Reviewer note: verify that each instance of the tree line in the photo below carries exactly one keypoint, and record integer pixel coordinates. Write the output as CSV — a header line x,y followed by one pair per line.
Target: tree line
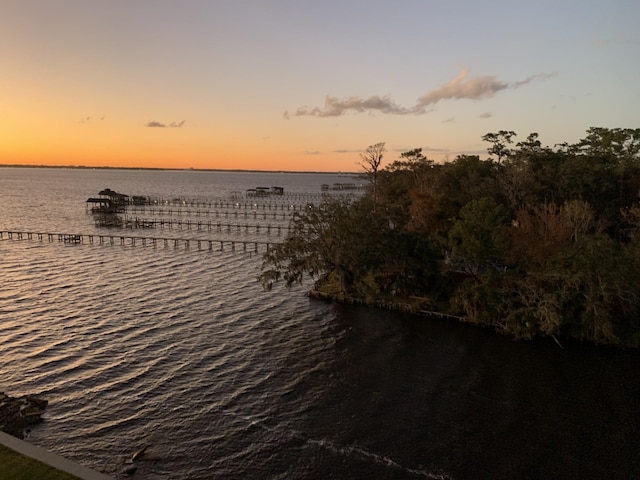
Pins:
x,y
532,241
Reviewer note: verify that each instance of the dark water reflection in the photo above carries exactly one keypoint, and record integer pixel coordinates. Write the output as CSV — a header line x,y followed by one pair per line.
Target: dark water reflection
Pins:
x,y
430,399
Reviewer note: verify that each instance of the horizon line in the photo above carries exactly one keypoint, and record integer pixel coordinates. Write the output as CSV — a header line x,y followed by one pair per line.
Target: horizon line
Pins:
x,y
188,169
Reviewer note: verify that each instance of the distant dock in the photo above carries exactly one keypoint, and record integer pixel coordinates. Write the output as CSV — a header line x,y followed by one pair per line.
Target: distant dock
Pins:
x,y
120,212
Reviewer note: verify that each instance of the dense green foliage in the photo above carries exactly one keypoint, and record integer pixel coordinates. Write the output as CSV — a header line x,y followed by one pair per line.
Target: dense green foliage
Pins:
x,y
531,241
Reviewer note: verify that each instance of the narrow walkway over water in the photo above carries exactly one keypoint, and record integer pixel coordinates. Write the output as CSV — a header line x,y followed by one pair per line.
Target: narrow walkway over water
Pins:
x,y
169,224
234,213
137,241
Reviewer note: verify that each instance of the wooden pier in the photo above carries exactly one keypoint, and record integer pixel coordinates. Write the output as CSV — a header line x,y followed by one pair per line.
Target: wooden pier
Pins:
x,y
169,224
136,241
233,213
286,201
254,204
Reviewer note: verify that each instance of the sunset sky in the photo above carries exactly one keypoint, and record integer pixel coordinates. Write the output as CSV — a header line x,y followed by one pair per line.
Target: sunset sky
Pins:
x,y
305,85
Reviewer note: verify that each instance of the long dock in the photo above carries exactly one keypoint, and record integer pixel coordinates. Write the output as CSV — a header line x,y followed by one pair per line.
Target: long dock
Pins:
x,y
133,241
170,224
257,204
286,201
234,213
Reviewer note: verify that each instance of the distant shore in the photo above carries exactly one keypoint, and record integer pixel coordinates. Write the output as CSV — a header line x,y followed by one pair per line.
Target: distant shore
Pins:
x,y
84,167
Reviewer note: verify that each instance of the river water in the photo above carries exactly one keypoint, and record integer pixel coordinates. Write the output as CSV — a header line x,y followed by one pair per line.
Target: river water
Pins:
x,y
182,352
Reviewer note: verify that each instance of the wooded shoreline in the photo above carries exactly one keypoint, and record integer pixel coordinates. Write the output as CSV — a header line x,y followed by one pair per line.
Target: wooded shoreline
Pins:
x,y
533,241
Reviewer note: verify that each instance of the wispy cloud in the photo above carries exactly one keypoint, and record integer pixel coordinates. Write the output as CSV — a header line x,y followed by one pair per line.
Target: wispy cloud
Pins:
x,y
532,78
312,152
334,107
486,115
435,150
612,42
344,150
461,87
91,119
156,124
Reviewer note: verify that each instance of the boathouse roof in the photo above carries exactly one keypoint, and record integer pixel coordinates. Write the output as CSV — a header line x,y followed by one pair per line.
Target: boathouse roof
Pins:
x,y
107,192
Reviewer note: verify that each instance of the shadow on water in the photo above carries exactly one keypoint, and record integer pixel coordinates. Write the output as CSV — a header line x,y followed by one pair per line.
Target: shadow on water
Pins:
x,y
416,398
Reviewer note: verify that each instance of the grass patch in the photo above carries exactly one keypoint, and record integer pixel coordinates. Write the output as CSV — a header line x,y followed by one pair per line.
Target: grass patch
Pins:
x,y
16,466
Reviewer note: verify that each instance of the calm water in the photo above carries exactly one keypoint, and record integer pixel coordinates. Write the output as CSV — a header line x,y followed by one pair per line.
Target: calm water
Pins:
x,y
183,352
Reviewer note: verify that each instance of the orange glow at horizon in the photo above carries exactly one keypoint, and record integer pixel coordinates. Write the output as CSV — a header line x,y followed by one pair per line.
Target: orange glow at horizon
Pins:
x,y
41,139
54,150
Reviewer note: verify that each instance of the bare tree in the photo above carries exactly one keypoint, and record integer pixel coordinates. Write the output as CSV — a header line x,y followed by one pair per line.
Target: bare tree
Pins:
x,y
371,160
578,216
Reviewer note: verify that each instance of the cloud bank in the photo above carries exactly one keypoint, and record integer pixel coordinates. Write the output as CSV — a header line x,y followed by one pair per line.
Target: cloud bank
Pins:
x,y
155,124
461,87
